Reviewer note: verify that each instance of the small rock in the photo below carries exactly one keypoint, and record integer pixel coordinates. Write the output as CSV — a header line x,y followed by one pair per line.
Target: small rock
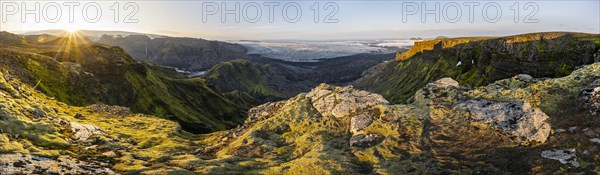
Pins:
x,y
524,77
572,129
446,82
595,140
79,116
83,131
362,140
110,154
567,156
586,152
37,113
560,130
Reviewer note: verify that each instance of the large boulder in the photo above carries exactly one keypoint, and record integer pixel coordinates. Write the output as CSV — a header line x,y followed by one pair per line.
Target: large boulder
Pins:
x,y
523,123
343,102
83,132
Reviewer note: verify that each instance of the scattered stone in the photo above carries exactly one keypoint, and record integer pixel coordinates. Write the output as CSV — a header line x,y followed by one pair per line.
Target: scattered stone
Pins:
x,y
572,129
524,77
263,111
526,125
79,116
566,156
585,129
586,152
364,141
114,110
83,131
446,82
595,140
110,154
36,113
560,130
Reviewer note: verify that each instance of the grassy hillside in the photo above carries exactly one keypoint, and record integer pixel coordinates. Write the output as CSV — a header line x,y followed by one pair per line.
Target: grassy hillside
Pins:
x,y
479,61
81,74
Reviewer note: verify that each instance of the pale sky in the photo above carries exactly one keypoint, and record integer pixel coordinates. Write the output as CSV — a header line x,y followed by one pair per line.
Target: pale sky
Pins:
x,y
354,19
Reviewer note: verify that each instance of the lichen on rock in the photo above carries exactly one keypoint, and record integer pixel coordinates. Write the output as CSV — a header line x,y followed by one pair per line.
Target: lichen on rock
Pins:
x,y
525,124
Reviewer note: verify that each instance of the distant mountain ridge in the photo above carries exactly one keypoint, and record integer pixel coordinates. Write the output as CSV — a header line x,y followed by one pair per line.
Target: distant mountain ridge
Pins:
x,y
91,34
185,53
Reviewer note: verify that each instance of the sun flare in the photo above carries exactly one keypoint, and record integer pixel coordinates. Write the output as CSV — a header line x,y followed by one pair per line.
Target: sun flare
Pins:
x,y
71,29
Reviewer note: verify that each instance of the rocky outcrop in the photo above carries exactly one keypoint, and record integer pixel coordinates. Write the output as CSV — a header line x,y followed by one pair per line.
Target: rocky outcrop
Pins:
x,y
591,98
523,123
83,132
343,101
31,164
446,82
346,102
566,156
263,111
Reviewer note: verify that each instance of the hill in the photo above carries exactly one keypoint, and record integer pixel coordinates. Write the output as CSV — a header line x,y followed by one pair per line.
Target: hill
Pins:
x,y
78,72
185,53
479,61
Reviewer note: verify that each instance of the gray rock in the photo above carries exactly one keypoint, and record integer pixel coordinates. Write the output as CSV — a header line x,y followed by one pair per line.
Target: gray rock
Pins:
x,y
79,116
446,82
524,77
360,122
83,131
595,140
343,101
524,124
591,98
566,156
37,113
363,140
31,164
572,129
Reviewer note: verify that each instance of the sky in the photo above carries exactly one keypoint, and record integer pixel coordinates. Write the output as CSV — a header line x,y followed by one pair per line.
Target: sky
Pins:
x,y
298,20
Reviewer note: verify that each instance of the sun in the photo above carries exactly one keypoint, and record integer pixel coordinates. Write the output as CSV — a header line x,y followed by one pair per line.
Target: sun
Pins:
x,y
71,29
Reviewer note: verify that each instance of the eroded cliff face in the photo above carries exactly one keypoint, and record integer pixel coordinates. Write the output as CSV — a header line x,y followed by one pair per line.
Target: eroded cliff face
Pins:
x,y
480,61
427,45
